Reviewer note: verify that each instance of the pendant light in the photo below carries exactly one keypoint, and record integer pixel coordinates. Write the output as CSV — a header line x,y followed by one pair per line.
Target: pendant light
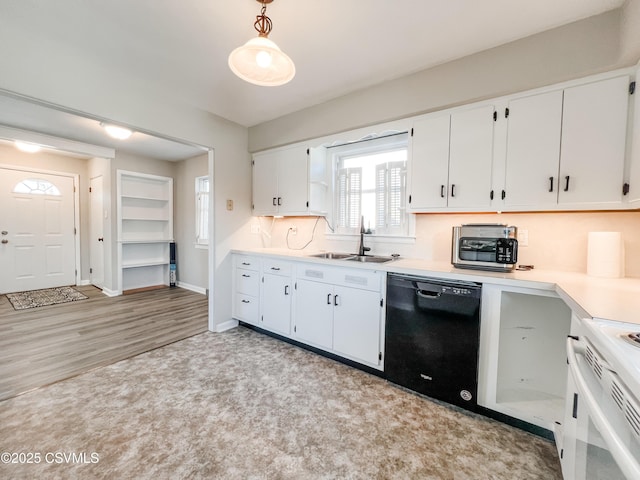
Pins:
x,y
260,61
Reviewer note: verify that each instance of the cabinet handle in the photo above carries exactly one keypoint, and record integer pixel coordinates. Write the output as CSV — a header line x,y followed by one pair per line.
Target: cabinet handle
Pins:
x,y
275,268
442,191
279,201
245,263
550,184
453,189
328,299
335,300
504,194
246,301
286,289
566,185
246,276
274,201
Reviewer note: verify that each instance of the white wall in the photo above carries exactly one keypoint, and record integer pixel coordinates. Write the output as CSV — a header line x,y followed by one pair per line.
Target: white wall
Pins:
x,y
557,241
596,44
191,260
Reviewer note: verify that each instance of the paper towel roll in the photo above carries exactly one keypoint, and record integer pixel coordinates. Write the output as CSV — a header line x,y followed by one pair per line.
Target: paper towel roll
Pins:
x,y
605,255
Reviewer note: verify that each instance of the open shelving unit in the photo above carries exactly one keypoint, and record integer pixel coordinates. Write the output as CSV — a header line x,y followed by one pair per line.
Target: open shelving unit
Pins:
x,y
145,230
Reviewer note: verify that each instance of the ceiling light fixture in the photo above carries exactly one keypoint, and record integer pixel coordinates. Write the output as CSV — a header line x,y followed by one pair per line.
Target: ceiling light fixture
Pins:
x,y
260,61
27,147
117,132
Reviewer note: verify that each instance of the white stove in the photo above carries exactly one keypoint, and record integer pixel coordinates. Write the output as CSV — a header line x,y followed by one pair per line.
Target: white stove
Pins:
x,y
622,353
600,435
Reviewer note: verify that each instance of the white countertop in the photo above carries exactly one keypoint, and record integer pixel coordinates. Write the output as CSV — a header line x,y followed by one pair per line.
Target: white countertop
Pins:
x,y
612,299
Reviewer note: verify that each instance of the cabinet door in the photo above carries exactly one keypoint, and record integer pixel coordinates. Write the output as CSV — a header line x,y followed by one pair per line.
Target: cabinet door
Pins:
x,y
314,313
471,158
533,150
429,167
276,303
265,184
293,181
594,127
356,324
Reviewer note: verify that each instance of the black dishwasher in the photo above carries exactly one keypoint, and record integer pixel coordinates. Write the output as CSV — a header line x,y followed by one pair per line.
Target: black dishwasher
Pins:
x,y
432,337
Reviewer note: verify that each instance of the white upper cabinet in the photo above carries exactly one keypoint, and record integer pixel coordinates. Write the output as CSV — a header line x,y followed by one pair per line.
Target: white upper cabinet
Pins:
x,y
592,153
451,159
533,151
566,148
429,164
471,158
281,182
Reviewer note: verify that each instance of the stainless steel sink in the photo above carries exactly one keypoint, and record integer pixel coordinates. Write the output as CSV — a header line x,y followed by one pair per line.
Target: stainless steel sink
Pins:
x,y
333,255
369,259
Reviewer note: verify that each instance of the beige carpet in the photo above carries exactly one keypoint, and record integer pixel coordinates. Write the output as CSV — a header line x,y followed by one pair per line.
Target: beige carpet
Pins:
x,y
240,405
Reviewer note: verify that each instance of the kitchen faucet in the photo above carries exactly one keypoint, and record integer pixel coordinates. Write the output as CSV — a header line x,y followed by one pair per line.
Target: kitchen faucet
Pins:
x,y
361,248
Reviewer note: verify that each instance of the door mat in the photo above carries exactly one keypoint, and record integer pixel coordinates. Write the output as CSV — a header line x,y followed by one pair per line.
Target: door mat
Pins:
x,y
47,296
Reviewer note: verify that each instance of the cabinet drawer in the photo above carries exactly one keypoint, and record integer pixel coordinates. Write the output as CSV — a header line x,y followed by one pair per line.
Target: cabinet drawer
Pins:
x,y
246,308
276,267
247,262
247,282
348,277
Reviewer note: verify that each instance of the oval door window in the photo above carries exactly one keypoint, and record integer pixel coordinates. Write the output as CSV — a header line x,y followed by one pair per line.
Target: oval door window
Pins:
x,y
36,186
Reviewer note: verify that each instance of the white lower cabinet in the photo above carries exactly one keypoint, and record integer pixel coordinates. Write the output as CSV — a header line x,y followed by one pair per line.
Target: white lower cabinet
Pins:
x,y
356,324
343,319
275,293
314,314
336,309
522,366
246,289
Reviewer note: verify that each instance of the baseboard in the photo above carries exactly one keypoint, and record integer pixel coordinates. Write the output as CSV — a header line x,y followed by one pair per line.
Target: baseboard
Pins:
x,y
193,288
224,326
82,283
111,293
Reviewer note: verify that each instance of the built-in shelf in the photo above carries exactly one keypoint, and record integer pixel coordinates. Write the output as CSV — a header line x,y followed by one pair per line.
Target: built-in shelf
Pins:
x,y
145,229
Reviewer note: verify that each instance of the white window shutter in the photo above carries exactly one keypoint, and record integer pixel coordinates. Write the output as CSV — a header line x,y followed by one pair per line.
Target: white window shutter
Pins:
x,y
349,186
382,200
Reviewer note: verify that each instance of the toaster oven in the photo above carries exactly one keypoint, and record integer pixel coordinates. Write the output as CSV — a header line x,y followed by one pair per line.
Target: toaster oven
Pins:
x,y
485,246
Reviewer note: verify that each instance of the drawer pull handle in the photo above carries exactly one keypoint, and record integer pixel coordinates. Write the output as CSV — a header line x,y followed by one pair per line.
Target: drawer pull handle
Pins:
x,y
246,276
275,268
245,263
246,301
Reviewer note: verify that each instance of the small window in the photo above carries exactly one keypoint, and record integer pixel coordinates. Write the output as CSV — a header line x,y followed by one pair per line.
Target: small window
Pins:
x,y
37,186
202,210
370,184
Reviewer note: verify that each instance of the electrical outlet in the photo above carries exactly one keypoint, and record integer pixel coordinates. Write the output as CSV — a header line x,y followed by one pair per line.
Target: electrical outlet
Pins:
x,y
293,229
255,228
229,204
523,237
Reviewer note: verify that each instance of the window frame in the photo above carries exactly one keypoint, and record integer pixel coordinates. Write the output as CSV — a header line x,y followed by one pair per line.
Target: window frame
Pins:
x,y
370,146
202,211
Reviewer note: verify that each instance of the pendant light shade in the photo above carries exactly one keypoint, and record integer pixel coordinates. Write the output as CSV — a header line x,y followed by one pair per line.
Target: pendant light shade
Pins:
x,y
260,61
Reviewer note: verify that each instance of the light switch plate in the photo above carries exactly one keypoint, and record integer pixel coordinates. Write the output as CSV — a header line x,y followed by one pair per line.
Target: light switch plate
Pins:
x,y
229,204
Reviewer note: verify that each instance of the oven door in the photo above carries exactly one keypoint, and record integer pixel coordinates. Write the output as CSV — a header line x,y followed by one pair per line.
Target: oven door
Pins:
x,y
598,441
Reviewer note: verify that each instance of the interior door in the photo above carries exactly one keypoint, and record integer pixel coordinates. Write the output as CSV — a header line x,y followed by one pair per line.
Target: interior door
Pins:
x,y
37,248
96,242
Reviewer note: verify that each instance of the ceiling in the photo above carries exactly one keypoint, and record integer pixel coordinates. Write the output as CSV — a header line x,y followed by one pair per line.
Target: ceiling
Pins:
x,y
178,49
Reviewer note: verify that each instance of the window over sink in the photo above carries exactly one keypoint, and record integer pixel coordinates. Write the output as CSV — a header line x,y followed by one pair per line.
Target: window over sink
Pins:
x,y
370,178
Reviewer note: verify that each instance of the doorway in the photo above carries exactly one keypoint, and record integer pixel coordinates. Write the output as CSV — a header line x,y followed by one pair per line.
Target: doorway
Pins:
x,y
96,232
37,230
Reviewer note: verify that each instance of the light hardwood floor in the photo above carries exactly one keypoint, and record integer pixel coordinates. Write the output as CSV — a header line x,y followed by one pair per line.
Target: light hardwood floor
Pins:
x,y
43,345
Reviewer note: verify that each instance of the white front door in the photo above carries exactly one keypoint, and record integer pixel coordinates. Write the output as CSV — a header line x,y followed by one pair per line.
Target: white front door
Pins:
x,y
96,242
37,248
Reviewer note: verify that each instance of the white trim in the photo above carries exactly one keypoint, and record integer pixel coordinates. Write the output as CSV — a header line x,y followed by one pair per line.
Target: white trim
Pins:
x,y
111,293
201,246
410,239
224,326
83,283
193,288
56,143
212,240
